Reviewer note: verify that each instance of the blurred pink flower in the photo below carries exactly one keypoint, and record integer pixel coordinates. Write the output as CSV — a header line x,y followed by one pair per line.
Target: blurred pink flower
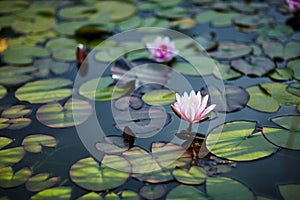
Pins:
x,y
162,49
294,5
193,107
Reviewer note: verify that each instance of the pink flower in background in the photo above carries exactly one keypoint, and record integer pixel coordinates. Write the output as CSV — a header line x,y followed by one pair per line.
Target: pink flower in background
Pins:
x,y
193,107
162,49
294,5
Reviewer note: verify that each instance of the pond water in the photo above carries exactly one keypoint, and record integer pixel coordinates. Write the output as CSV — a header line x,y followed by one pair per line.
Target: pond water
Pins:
x,y
52,107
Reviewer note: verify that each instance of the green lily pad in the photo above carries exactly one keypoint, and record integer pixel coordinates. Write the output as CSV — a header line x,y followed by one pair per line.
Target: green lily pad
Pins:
x,y
238,142
184,23
276,30
9,156
225,72
87,174
109,55
288,137
55,115
275,49
90,196
207,43
102,89
10,179
4,141
155,22
34,143
77,12
294,88
69,28
289,191
169,3
45,9
172,12
16,111
40,182
152,191
194,176
185,192
47,65
217,19
231,50
23,54
112,145
161,176
112,196
63,49
261,100
116,162
44,91
15,123
159,97
12,6
33,25
257,66
58,193
3,91
294,65
282,74
130,23
251,21
129,195
10,75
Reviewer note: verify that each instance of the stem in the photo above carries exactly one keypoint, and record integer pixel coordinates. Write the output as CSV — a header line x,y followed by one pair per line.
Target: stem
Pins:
x,y
189,129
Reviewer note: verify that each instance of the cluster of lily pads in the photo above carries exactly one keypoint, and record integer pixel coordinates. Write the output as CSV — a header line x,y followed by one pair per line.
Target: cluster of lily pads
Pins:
x,y
41,52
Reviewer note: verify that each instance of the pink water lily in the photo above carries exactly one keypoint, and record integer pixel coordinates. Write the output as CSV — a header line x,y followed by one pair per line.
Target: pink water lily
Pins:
x,y
162,49
294,5
192,108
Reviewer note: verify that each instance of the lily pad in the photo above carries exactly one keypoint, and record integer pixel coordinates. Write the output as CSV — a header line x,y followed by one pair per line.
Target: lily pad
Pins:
x,y
43,91
258,66
289,191
21,55
152,191
10,179
47,65
208,43
288,137
40,182
58,193
251,21
129,195
184,23
194,176
110,55
172,12
12,6
129,101
159,97
87,174
276,30
116,162
231,50
185,192
63,49
34,143
15,123
130,23
112,145
77,12
9,156
282,74
10,75
225,72
90,196
55,115
261,100
102,89
294,88
16,111
217,19
294,65
34,25
3,91
275,49
239,142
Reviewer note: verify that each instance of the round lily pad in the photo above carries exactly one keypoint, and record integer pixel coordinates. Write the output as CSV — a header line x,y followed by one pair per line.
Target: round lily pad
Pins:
x,y
294,88
112,145
12,6
257,66
9,156
40,182
77,12
194,176
130,23
225,72
10,179
288,137
185,192
10,75
159,97
116,162
129,101
152,191
34,143
43,91
63,49
239,142
276,30
34,25
231,50
90,196
47,65
161,176
171,12
217,19
59,193
287,51
184,23
109,55
289,191
294,65
15,123
251,21
281,74
55,115
87,174
16,111
102,89
3,91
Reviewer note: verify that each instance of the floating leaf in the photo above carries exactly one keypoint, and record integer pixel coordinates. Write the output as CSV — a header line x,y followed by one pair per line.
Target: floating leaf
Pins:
x,y
34,143
63,49
159,97
77,12
69,28
4,141
129,195
10,75
112,196
281,74
152,191
34,25
231,50
294,88
130,23
294,65
184,23
257,66
116,162
161,176
15,123
275,49
12,6
87,174
112,145
55,115
289,137
225,72
9,179
251,21
276,30
10,156
40,182
172,12
46,66
43,91
207,43
194,176
110,55
102,89
23,54
185,192
129,101
90,196
58,193
3,91
289,191
238,142
217,19
16,111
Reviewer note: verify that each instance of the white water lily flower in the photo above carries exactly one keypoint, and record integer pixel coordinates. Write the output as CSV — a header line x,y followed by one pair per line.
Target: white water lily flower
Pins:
x,y
192,108
162,49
